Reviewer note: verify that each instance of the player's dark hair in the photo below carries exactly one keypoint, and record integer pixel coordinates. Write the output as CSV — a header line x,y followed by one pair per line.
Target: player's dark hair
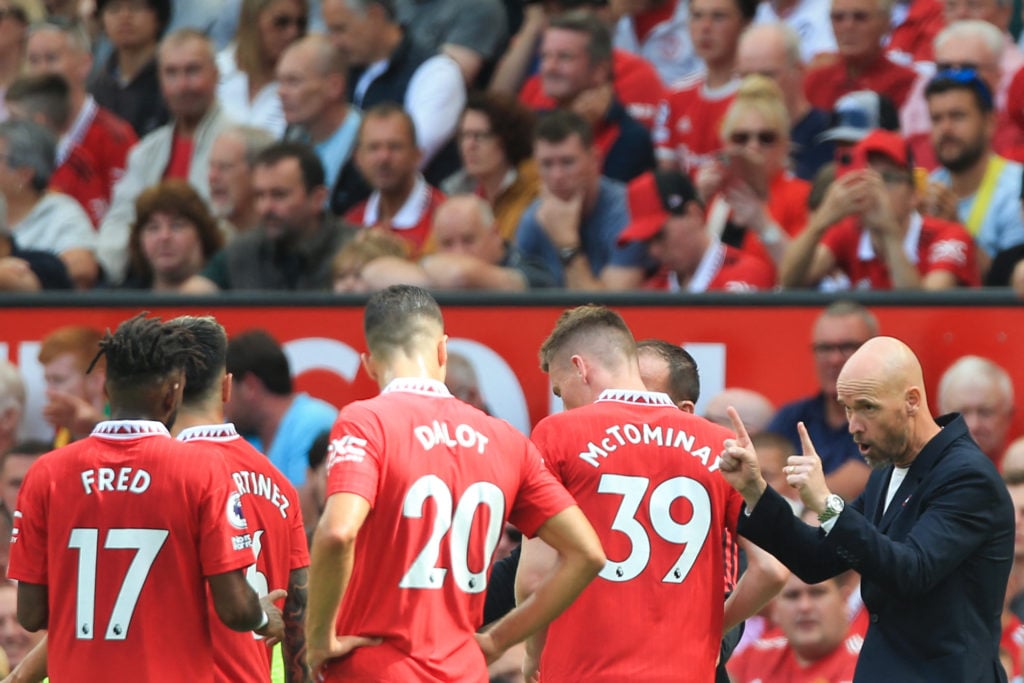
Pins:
x,y
597,329
211,341
683,376
144,350
259,353
397,319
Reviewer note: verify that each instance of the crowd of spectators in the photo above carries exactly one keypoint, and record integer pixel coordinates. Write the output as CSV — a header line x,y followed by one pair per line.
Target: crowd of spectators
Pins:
x,y
692,146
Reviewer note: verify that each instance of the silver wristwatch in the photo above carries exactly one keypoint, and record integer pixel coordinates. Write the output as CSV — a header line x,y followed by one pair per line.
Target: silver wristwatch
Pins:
x,y
833,506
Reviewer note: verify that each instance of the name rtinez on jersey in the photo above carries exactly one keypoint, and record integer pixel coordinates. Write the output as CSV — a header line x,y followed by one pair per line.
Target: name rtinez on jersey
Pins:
x,y
256,484
621,435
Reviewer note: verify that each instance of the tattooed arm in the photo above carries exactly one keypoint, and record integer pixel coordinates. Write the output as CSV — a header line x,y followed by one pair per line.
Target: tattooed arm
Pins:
x,y
293,648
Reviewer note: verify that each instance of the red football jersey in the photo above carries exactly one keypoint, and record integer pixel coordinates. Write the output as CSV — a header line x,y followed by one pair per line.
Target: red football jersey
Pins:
x,y
123,527
771,659
723,269
412,222
441,478
931,244
693,126
646,475
826,84
278,540
92,159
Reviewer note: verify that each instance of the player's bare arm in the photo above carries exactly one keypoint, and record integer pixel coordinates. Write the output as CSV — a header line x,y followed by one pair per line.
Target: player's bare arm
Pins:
x,y
764,578
33,606
294,643
537,560
241,609
580,558
330,570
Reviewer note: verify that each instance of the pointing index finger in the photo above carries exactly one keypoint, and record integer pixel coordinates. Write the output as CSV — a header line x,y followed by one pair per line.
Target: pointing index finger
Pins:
x,y
737,426
805,440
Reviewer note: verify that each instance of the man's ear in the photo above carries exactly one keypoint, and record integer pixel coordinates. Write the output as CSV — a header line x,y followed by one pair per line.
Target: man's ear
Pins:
x,y
173,388
913,399
225,387
687,406
581,365
369,365
442,351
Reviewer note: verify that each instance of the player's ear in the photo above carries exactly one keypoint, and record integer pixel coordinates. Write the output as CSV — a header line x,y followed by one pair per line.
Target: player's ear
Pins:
x,y
369,365
687,406
225,387
580,364
442,351
172,389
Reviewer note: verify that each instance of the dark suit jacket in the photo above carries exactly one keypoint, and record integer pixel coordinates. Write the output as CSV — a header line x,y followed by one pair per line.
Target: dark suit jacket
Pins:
x,y
934,567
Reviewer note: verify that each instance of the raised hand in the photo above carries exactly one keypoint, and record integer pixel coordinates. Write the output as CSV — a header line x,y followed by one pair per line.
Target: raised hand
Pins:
x,y
739,463
804,473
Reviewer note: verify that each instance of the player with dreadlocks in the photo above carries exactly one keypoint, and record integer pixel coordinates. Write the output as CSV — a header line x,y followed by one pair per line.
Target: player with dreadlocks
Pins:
x,y
129,525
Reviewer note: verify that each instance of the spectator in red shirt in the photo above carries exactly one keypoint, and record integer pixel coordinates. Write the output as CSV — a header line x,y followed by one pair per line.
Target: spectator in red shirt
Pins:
x,y
868,229
697,105
859,26
668,214
94,142
386,154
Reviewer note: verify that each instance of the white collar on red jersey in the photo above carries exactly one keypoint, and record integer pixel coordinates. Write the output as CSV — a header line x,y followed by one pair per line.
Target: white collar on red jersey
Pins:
x,y
129,429
221,432
866,252
645,398
417,385
412,211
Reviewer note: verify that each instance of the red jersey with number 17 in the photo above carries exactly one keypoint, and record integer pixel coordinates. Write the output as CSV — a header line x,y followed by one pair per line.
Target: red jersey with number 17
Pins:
x,y
123,527
646,475
441,478
278,541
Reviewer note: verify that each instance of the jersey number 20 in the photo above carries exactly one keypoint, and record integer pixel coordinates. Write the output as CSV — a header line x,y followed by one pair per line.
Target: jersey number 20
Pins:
x,y
424,572
146,543
691,535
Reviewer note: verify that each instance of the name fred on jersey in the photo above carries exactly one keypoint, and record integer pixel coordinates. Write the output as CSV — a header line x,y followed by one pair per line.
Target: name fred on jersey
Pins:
x,y
122,479
649,435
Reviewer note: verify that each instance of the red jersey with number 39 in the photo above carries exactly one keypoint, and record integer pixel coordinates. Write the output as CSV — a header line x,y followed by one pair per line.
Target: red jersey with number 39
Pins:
x,y
646,475
123,527
441,478
278,541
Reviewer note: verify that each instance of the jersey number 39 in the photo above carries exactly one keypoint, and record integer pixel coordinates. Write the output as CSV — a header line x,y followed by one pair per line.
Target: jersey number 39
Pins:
x,y
692,535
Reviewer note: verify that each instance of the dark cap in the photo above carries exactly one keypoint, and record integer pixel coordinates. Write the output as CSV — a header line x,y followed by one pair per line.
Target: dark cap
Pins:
x,y
858,113
653,198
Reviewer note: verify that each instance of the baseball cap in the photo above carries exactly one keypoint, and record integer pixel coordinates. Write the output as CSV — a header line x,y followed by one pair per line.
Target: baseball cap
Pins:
x,y
858,113
653,197
888,144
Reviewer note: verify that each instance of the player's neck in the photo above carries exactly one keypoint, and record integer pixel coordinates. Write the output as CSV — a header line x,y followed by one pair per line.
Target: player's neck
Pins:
x,y
199,416
416,367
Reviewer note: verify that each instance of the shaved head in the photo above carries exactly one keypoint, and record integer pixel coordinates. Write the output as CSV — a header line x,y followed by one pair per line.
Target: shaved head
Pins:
x,y
881,388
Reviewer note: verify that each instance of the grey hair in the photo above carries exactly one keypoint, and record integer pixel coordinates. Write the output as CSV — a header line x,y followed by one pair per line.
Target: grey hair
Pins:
x,y
845,307
29,145
12,388
790,38
974,367
255,140
974,28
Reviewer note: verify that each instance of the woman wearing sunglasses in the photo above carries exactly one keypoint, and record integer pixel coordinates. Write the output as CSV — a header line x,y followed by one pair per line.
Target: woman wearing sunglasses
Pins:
x,y
754,203
248,84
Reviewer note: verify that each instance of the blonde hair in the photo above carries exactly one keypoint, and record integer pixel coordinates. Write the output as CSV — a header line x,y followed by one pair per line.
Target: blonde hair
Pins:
x,y
760,94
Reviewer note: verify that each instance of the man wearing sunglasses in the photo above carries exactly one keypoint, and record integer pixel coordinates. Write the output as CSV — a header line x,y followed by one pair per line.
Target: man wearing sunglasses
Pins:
x,y
974,186
868,231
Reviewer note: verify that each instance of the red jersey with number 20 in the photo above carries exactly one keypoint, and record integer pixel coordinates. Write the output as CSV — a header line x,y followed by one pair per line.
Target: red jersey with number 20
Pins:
x,y
441,478
123,527
646,475
278,541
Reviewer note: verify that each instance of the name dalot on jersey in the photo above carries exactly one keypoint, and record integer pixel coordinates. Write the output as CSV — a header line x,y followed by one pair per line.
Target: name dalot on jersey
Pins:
x,y
443,434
